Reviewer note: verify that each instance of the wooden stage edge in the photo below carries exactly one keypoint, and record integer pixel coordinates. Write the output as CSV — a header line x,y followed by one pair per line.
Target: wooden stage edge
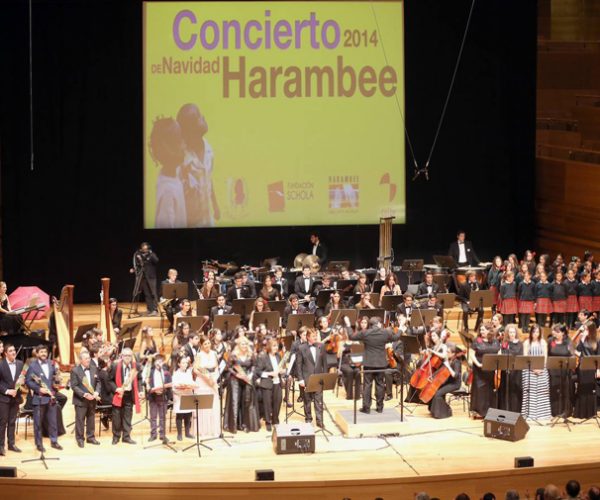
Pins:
x,y
444,486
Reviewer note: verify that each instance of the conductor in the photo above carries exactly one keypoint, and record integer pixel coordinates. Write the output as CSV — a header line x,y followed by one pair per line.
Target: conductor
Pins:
x,y
374,339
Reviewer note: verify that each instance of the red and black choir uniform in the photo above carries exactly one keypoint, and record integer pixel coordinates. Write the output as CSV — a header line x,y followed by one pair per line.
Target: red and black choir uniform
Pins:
x,y
559,302
526,295
596,299
494,280
585,296
543,302
508,305
572,303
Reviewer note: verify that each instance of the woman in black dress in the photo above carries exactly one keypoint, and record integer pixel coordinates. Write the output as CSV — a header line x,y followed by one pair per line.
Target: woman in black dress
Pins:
x,y
511,396
560,384
241,410
9,324
438,406
482,387
585,399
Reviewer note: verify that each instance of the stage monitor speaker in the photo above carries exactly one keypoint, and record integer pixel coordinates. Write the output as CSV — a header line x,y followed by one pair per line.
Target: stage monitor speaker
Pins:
x,y
523,462
264,475
507,425
293,438
8,472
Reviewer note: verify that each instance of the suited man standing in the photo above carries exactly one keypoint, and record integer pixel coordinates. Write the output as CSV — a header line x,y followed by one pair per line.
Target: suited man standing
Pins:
x,y
303,286
374,358
318,248
39,379
312,359
86,388
462,251
10,397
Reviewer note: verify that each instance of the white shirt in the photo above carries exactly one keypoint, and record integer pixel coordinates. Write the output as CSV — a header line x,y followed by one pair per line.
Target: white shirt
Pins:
x,y
170,203
307,284
88,374
275,365
159,379
314,251
238,292
313,351
462,253
46,370
13,368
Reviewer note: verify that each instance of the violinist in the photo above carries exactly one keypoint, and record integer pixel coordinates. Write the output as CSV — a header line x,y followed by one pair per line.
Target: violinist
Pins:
x,y
269,371
375,361
438,406
268,291
482,388
512,346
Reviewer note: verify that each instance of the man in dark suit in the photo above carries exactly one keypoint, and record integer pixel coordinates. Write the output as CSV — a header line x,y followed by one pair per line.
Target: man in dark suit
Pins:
x,y
220,309
268,373
318,249
11,380
464,296
312,359
293,307
39,379
281,281
427,287
238,290
123,383
191,348
159,384
303,286
462,251
86,388
374,358
144,266
407,307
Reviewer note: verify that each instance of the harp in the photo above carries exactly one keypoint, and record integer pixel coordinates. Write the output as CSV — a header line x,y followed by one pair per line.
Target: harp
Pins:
x,y
63,321
106,324
385,243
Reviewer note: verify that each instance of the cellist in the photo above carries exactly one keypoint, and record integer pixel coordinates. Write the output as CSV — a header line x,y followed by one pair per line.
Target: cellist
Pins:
x,y
438,406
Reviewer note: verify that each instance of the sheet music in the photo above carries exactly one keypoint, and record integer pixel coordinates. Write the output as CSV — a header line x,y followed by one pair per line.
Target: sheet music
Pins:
x,y
291,364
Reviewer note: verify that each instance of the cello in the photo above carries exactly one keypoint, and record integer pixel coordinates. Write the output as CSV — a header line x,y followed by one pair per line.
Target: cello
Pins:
x,y
423,374
438,380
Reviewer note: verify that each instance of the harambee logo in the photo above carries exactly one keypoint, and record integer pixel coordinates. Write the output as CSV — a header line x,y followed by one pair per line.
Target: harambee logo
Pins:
x,y
386,179
343,191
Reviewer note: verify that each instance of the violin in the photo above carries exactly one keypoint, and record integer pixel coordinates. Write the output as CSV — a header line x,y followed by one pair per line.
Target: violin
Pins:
x,y
391,358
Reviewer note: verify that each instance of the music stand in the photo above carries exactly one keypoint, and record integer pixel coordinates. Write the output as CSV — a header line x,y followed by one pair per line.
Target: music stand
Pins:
x,y
498,362
82,330
296,321
321,382
243,307
390,302
226,322
335,266
410,266
130,330
174,291
411,344
377,284
423,318
546,332
203,306
196,322
590,363
371,313
277,305
269,318
337,316
129,343
287,341
42,458
197,402
446,300
323,297
445,261
483,298
563,364
442,280
341,285
529,363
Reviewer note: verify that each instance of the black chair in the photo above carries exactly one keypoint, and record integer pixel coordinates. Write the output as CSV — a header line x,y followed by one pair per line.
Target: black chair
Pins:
x,y
28,414
103,411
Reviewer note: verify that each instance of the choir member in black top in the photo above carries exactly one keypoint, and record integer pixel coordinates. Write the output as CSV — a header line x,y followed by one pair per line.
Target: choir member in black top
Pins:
x,y
560,384
596,298
438,406
508,297
559,299
543,299
585,292
585,400
482,387
511,384
526,296
494,278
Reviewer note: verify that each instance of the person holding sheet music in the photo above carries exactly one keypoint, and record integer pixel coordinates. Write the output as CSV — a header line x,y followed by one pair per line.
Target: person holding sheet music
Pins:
x,y
183,385
512,346
269,371
535,383
206,372
585,400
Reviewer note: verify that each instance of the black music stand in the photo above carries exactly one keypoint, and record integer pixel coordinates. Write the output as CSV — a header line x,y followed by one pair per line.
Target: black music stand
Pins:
x,y
296,321
445,261
529,363
289,374
82,330
446,300
226,322
442,280
410,266
341,285
174,291
323,297
390,302
130,330
377,284
371,313
277,305
498,362
482,298
411,344
42,458
271,319
336,266
196,322
243,307
197,402
563,364
422,318
128,343
337,316
203,306
321,382
356,357
590,363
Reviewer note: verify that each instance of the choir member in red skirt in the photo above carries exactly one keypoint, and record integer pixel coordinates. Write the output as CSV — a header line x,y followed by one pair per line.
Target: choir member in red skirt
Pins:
x,y
543,299
508,296
526,296
596,296
559,299
493,279
572,303
585,293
